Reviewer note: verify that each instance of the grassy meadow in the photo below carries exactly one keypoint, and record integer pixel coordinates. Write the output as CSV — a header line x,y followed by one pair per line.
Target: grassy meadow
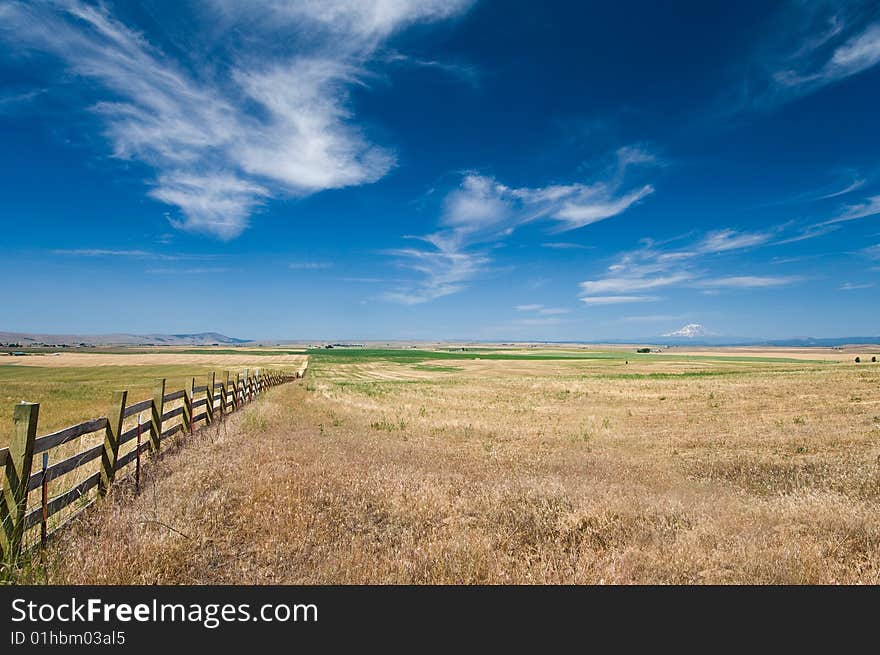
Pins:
x,y
551,465
73,387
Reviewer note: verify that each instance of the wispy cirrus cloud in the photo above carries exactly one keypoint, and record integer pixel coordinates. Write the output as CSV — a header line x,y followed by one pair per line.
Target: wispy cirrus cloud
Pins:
x,y
444,271
465,73
264,117
817,66
748,281
856,184
652,268
617,300
727,239
541,309
565,245
482,210
637,279
135,254
869,207
850,286
812,45
14,98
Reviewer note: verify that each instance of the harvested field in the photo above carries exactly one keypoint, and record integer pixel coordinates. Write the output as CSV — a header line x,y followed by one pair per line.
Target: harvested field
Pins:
x,y
387,470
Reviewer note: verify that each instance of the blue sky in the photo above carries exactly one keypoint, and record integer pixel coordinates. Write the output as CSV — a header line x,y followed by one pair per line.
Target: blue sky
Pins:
x,y
440,170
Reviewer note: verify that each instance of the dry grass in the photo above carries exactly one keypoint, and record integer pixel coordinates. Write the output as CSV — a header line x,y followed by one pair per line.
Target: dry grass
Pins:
x,y
204,359
568,473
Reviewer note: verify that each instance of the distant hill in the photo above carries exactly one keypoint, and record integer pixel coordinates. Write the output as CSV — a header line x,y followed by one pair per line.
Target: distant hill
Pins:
x,y
24,339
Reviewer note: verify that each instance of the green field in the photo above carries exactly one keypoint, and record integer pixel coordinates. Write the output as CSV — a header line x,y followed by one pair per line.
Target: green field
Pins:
x,y
69,395
360,355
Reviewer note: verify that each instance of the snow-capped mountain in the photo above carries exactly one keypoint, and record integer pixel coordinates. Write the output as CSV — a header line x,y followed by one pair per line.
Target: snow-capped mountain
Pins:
x,y
689,331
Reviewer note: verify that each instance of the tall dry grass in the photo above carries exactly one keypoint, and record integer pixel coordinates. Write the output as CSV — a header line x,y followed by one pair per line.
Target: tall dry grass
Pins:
x,y
486,475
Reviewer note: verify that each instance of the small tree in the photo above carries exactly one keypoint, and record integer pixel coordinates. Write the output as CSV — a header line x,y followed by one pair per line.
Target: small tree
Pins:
x,y
858,359
874,359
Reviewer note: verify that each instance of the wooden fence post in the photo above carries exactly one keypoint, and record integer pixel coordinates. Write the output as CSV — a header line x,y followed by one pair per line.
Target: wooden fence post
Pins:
x,y
188,406
224,390
157,410
17,473
209,415
111,441
230,389
246,386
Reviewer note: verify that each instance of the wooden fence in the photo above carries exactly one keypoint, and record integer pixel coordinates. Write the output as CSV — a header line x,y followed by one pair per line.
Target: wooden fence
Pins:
x,y
48,495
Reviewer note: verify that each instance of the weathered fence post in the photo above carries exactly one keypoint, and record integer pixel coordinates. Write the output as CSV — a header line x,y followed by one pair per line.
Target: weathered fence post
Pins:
x,y
188,406
157,410
111,441
233,386
209,415
224,393
246,387
137,457
44,502
17,473
225,399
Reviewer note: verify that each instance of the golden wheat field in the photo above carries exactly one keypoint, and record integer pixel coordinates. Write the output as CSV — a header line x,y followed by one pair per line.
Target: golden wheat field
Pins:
x,y
402,468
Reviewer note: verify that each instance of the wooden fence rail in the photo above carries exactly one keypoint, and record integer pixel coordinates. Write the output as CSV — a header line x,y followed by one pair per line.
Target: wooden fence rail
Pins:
x,y
18,479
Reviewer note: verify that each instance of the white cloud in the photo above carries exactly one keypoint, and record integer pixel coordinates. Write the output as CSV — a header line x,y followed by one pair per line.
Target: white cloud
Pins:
x,y
103,252
444,271
832,42
9,99
540,309
859,53
625,284
724,240
617,300
870,207
651,267
857,183
481,203
216,203
593,204
305,143
269,118
135,254
849,286
749,281
809,232
481,210
564,245
363,24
